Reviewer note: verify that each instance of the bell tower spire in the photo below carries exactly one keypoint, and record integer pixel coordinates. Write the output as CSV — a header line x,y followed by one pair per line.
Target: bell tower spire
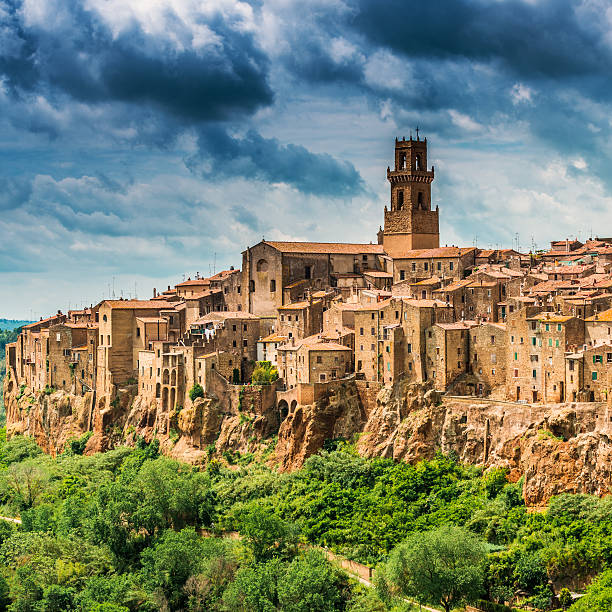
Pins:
x,y
410,223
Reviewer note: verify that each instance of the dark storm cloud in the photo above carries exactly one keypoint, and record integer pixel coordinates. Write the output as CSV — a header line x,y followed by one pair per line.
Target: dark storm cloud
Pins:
x,y
80,57
542,39
265,159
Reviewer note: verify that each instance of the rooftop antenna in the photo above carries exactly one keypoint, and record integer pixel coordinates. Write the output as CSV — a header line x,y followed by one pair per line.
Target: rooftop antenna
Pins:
x,y
215,263
113,287
417,132
135,291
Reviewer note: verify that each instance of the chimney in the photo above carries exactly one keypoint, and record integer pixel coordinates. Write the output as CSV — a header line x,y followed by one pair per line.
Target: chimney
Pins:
x,y
154,292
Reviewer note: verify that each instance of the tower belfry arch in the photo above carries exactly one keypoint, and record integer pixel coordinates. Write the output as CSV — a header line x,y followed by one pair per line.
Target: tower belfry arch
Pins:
x,y
410,222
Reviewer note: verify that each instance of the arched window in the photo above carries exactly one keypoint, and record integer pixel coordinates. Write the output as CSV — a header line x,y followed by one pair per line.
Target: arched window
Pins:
x,y
402,161
400,199
166,377
104,318
262,265
418,162
173,377
420,199
157,390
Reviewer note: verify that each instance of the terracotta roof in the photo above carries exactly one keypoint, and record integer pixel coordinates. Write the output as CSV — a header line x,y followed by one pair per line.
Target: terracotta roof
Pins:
x,y
274,338
552,317
432,280
606,316
325,346
79,348
151,319
426,303
199,282
203,294
298,305
223,274
221,316
462,325
139,304
439,253
458,284
326,247
377,274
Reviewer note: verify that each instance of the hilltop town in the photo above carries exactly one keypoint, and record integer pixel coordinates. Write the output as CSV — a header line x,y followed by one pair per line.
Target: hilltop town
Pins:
x,y
443,321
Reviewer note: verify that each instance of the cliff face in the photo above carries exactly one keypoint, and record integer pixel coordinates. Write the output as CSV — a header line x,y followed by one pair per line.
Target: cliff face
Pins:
x,y
557,448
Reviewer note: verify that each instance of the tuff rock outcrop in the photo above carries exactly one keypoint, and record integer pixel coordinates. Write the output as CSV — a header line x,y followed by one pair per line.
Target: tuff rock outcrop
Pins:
x,y
556,448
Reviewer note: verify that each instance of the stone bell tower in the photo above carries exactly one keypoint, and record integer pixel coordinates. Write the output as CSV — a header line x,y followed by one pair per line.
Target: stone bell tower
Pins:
x,y
411,223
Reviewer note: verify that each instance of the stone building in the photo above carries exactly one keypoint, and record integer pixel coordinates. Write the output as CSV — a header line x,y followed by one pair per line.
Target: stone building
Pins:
x,y
120,340
300,319
588,373
447,352
269,267
488,355
447,263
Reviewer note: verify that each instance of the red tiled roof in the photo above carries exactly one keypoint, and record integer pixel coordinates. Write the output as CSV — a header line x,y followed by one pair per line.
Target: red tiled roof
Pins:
x,y
326,247
139,304
439,253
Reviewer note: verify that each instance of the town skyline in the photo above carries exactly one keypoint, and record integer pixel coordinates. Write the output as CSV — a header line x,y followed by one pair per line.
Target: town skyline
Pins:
x,y
180,134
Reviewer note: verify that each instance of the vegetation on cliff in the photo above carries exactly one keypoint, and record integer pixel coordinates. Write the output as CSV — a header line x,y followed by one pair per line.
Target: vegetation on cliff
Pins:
x,y
118,531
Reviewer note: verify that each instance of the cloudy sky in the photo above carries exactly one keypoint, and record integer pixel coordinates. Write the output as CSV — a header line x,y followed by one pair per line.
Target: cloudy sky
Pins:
x,y
144,140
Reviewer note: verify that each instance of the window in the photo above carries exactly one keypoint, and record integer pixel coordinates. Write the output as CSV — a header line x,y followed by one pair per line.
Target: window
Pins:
x,y
322,377
451,266
397,314
534,373
492,339
413,267
410,366
307,271
426,266
373,315
238,289
593,375
364,257
547,327
359,365
104,318
319,359
493,371
402,274
571,366
388,349
597,358
557,343
515,356
409,348
439,266
609,357
108,338
233,343
372,347
245,343
550,342
533,341
244,327
459,365
373,331
272,286
515,373
233,328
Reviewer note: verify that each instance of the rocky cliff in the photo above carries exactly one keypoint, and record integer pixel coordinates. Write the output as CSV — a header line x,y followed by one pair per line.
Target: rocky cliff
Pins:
x,y
556,448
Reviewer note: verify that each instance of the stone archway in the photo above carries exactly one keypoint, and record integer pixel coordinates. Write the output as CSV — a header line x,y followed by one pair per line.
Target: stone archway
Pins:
x,y
165,399
283,409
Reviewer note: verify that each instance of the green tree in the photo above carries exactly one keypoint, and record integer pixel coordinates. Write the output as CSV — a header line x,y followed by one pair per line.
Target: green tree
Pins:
x,y
254,588
443,566
167,565
264,373
312,584
195,392
265,534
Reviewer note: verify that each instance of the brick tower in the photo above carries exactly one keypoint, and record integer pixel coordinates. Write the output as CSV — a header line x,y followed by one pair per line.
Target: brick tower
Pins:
x,y
411,223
